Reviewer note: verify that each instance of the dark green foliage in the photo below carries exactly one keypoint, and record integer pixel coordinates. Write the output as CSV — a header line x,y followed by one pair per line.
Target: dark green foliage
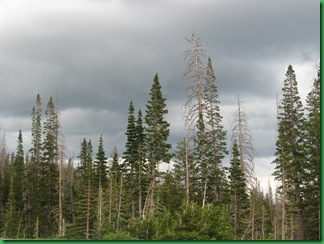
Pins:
x,y
100,164
197,223
32,205
18,175
130,158
48,175
290,151
238,195
85,207
157,128
156,136
12,217
194,200
215,139
312,174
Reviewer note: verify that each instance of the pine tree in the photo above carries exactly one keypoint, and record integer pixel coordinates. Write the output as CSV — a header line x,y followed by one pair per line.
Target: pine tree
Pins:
x,y
18,176
12,220
85,208
100,165
157,133
238,194
312,174
49,175
290,160
140,161
130,158
32,205
215,139
36,150
116,195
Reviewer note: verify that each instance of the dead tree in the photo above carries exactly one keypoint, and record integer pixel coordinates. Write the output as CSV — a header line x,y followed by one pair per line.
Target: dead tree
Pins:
x,y
243,136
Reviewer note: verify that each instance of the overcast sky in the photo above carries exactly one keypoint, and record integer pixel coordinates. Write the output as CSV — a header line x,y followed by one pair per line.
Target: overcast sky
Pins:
x,y
100,54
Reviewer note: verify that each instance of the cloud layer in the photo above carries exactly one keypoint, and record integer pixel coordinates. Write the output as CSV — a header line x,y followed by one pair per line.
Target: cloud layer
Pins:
x,y
99,54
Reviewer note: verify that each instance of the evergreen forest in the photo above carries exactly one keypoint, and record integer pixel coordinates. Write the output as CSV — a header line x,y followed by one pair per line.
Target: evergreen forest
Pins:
x,y
105,194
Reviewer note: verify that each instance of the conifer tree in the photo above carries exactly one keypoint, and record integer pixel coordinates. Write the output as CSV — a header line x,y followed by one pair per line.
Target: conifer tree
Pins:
x,y
156,135
85,209
185,171
4,177
290,160
312,175
215,139
140,161
49,175
12,218
18,175
238,194
130,158
32,205
100,165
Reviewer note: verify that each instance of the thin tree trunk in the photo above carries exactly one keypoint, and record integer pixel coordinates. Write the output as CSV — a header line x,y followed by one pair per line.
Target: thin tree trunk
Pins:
x,y
205,191
120,202
61,223
140,192
99,221
187,173
88,210
110,200
252,213
262,224
283,218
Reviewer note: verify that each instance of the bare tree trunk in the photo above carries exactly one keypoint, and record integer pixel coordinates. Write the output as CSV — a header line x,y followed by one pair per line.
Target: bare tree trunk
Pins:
x,y
119,203
252,214
205,191
88,210
262,223
140,192
61,223
187,173
235,217
110,199
283,218
36,228
100,220
59,158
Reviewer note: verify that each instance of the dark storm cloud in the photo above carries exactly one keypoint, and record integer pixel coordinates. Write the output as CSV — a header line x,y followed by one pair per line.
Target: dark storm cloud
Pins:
x,y
101,54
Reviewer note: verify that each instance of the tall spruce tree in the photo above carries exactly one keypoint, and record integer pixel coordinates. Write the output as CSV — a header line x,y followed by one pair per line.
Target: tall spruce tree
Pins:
x,y
140,161
214,174
130,158
238,194
290,160
312,174
85,207
18,174
32,205
101,182
100,165
49,174
157,133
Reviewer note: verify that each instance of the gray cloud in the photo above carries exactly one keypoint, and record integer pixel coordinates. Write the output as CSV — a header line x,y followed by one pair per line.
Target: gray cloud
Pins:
x,y
101,54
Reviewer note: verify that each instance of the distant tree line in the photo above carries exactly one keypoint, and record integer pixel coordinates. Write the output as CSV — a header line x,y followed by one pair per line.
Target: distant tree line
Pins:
x,y
126,197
